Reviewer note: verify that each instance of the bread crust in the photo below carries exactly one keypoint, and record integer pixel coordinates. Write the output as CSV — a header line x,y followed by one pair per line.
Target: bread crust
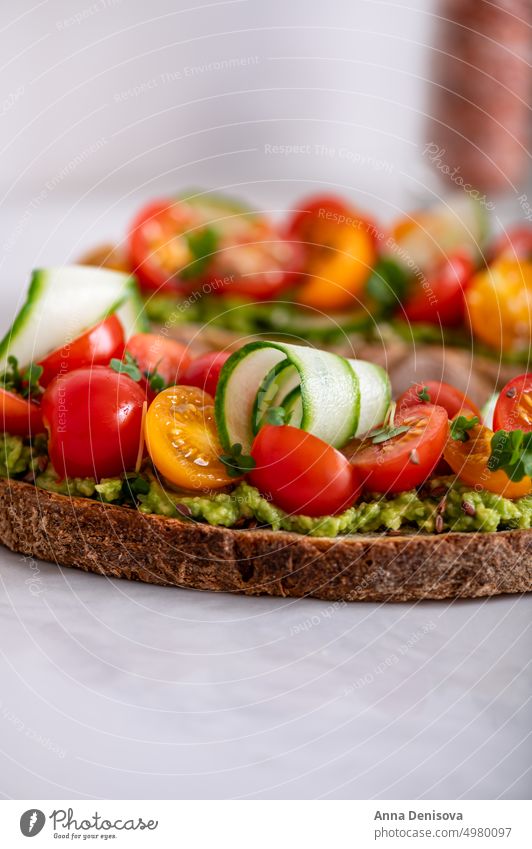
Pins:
x,y
120,542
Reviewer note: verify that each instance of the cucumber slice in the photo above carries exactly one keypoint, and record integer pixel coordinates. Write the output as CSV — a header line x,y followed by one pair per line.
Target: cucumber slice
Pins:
x,y
269,391
488,409
293,407
375,395
62,303
461,223
330,397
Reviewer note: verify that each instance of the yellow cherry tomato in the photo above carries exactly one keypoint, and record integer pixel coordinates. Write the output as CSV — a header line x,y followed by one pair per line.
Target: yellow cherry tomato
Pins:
x,y
182,440
499,305
469,460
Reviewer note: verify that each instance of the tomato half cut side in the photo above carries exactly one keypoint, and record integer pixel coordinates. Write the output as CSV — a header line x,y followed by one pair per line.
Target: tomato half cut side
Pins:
x,y
469,461
157,244
18,416
301,473
182,439
513,410
405,460
439,393
97,347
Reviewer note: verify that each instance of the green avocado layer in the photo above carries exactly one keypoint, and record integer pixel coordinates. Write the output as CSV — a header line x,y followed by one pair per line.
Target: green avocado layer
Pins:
x,y
460,508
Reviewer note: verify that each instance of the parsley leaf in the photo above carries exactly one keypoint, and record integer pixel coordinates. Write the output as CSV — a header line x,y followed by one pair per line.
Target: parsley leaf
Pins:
x,y
423,394
202,244
511,451
25,383
127,366
460,427
275,416
236,463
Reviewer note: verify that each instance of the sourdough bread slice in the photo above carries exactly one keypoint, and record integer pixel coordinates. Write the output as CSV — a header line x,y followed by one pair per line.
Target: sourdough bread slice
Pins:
x,y
120,542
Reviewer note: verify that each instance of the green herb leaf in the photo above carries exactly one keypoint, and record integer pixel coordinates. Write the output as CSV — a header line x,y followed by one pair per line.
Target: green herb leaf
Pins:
x,y
275,416
461,426
202,244
136,484
387,285
156,381
423,394
236,463
127,366
24,383
511,451
385,433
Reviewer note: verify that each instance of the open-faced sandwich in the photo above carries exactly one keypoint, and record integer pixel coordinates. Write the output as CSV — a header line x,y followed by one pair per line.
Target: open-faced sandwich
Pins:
x,y
278,468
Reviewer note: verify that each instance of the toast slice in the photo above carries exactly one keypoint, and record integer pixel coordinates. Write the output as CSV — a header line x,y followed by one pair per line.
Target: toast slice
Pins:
x,y
120,542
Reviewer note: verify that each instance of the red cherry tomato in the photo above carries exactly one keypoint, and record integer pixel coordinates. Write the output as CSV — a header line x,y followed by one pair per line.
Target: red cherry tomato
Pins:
x,y
405,460
513,410
96,347
439,393
301,473
204,371
157,244
440,298
94,417
18,416
156,353
243,251
515,244
258,265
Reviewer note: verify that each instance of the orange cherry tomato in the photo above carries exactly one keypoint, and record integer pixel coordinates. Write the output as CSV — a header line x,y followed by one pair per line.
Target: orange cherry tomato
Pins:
x,y
340,251
182,439
469,461
499,305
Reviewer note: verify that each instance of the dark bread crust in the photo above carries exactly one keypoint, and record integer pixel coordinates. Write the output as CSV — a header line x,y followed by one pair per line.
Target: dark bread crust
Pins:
x,y
120,542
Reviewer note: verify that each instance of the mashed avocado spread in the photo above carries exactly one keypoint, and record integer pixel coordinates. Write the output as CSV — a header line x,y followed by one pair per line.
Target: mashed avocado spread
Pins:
x,y
460,508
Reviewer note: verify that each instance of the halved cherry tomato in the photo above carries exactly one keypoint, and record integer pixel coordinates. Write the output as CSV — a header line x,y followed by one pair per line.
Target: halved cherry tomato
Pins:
x,y
439,393
94,417
513,410
156,353
440,298
301,473
499,302
18,416
96,347
340,251
182,439
406,460
469,460
515,244
258,267
158,246
217,248
204,371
